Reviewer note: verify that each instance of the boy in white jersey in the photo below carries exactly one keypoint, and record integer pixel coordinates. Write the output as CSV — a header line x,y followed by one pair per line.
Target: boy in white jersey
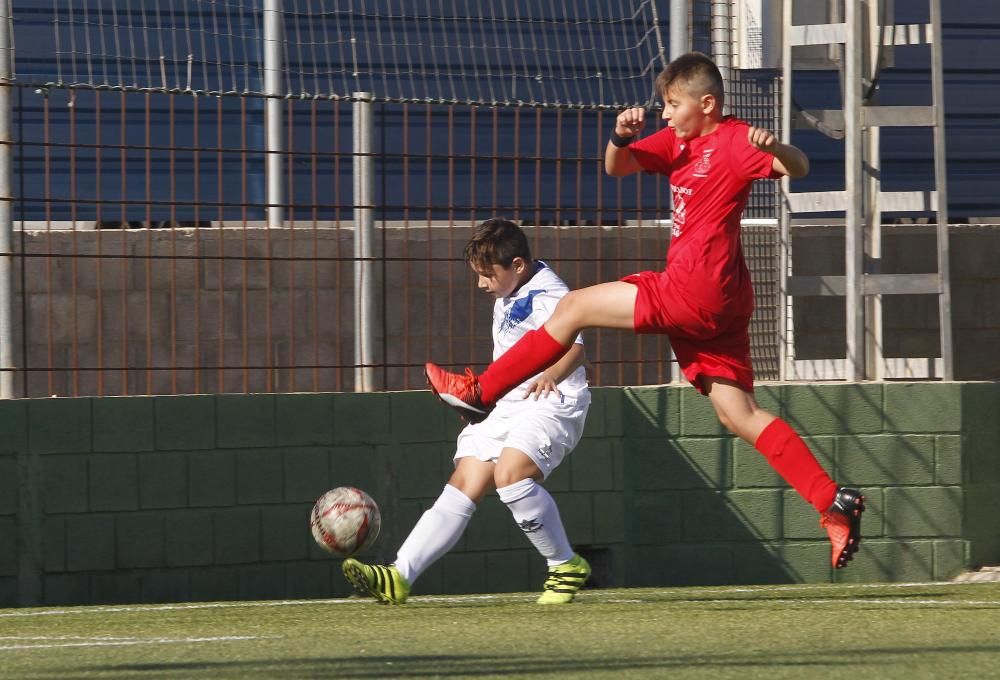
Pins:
x,y
516,446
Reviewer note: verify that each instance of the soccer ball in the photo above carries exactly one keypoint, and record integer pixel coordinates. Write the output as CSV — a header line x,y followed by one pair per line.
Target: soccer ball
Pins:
x,y
345,521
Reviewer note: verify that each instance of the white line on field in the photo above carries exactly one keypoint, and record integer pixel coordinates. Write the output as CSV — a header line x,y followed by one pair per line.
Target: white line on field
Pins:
x,y
173,607
124,642
498,597
829,600
814,586
943,603
50,638
263,603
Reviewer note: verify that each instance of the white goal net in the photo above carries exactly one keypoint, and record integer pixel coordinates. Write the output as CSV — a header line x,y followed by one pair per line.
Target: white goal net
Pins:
x,y
537,52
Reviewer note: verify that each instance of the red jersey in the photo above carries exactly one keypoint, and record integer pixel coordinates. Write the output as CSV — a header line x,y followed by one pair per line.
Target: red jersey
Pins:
x,y
710,178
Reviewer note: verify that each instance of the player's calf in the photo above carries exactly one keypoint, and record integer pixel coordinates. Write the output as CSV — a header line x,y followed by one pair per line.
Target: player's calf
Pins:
x,y
842,522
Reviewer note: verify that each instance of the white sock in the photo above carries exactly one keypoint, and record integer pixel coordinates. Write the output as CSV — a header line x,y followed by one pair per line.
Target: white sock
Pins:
x,y
536,513
435,533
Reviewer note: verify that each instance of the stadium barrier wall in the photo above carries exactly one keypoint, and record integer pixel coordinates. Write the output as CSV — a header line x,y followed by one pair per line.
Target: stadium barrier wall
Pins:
x,y
184,498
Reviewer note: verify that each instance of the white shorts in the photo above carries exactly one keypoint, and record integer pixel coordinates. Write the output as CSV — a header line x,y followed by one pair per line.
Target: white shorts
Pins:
x,y
544,431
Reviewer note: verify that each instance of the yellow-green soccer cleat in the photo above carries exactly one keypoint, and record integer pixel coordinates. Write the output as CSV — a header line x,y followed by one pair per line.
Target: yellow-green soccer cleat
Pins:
x,y
564,581
385,584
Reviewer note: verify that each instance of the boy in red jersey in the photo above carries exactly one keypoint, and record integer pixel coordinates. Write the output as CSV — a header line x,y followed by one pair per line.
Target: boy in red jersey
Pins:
x,y
703,299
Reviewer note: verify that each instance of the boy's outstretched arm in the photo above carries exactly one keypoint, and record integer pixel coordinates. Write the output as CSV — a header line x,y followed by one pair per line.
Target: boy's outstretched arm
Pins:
x,y
557,372
618,158
788,160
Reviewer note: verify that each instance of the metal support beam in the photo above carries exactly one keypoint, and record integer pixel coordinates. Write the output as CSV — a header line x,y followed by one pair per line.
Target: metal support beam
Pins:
x,y
872,169
364,245
941,183
722,40
6,209
679,28
273,119
817,34
871,284
817,201
854,172
786,345
871,116
679,44
909,34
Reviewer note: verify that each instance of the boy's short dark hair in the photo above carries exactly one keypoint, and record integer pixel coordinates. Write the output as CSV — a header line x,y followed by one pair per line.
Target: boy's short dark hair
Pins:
x,y
693,69
497,241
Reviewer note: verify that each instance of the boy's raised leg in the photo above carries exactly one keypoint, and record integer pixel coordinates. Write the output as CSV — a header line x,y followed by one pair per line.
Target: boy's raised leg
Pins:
x,y
606,305
473,397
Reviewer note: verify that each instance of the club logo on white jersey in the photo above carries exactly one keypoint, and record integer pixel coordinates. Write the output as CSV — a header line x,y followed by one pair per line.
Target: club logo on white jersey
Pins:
x,y
519,311
704,164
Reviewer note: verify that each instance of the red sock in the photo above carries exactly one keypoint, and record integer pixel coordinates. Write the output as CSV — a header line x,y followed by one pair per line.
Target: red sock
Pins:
x,y
792,459
533,353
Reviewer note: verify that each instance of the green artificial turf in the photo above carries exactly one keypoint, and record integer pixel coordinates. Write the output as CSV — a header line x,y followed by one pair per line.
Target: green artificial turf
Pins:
x,y
872,631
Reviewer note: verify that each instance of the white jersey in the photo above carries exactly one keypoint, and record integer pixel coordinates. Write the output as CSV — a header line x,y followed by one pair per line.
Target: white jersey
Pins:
x,y
526,310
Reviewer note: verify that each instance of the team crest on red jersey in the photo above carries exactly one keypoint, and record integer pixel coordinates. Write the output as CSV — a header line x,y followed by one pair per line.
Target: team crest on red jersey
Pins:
x,y
704,163
680,195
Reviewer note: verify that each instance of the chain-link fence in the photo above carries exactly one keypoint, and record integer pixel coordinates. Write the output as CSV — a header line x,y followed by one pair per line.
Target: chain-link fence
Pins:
x,y
148,257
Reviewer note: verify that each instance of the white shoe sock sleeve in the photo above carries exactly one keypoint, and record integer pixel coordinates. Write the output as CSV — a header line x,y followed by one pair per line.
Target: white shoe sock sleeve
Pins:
x,y
535,512
435,533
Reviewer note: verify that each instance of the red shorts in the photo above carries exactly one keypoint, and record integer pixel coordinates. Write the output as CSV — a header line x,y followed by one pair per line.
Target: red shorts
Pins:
x,y
706,343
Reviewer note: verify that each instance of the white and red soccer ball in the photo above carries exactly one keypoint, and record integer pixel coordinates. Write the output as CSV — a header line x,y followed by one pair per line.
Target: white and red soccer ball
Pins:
x,y
345,521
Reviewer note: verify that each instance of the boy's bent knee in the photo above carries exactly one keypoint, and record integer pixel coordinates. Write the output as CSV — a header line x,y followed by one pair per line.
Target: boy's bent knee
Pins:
x,y
515,468
507,477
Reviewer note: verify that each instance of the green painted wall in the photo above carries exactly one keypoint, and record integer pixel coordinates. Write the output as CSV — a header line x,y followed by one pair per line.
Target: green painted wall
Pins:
x,y
151,499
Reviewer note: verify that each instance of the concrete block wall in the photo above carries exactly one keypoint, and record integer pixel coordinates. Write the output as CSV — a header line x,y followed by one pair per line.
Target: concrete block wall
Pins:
x,y
152,499
721,507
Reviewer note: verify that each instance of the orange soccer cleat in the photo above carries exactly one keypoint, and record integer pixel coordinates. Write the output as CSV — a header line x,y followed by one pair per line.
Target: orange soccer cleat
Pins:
x,y
460,391
842,522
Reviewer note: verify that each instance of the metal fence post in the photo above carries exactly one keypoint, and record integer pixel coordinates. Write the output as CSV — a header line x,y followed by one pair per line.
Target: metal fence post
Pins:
x,y
853,160
273,120
6,210
364,245
679,24
722,42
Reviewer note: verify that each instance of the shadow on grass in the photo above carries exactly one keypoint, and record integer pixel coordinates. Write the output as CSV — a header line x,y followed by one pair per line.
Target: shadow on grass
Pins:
x,y
457,665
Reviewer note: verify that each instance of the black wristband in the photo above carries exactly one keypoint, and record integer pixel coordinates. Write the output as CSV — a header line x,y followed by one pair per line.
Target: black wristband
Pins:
x,y
620,141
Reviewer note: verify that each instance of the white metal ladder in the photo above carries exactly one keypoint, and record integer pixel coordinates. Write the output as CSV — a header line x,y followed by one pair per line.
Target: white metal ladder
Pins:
x,y
862,201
